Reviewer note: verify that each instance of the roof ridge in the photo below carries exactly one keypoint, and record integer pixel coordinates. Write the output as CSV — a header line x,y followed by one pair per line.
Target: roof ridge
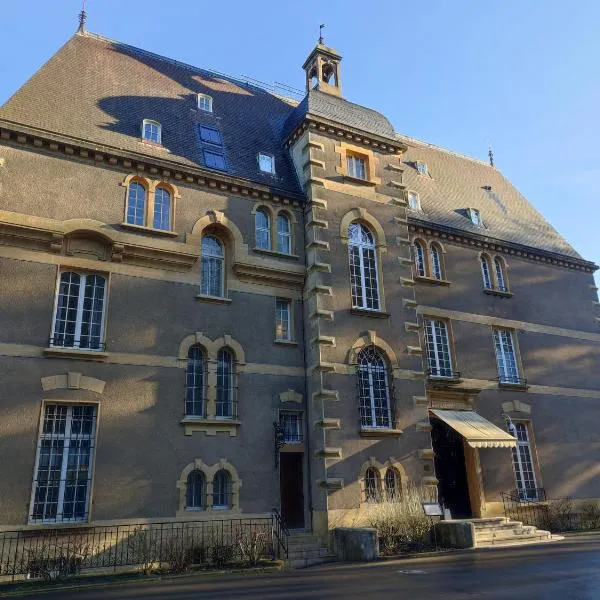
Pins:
x,y
249,82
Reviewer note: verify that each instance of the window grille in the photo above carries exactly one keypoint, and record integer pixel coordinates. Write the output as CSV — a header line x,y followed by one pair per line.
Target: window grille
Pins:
x,y
420,259
373,389
283,319
436,262
392,485
372,485
438,348
212,265
292,426
194,499
523,463
508,371
79,316
63,471
284,234
195,376
500,279
485,272
363,267
136,204
356,167
221,490
263,229
162,209
225,385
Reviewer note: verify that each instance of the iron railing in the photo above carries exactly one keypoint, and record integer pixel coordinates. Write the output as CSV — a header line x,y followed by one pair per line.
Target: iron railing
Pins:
x,y
443,375
70,343
50,553
512,380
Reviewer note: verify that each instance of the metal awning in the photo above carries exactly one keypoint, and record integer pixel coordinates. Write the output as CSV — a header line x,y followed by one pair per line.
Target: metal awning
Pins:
x,y
477,431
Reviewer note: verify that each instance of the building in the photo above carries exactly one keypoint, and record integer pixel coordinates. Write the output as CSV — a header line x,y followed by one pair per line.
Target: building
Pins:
x,y
188,259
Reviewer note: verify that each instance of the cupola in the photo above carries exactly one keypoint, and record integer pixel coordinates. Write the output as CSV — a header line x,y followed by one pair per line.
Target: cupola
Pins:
x,y
323,71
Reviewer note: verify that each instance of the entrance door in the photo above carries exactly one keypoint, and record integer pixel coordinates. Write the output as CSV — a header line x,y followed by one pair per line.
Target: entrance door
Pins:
x,y
450,469
292,489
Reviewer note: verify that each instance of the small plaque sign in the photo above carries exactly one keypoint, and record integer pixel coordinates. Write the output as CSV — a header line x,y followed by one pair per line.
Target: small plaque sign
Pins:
x,y
432,509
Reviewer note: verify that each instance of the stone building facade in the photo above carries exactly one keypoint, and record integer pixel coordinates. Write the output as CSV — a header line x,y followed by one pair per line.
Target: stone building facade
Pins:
x,y
189,260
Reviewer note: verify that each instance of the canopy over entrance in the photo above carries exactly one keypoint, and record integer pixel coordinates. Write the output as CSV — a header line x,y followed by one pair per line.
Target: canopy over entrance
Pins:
x,y
477,431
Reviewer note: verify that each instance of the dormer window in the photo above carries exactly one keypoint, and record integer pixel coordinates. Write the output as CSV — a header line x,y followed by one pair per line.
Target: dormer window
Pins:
x,y
422,168
214,160
475,217
210,135
413,201
266,163
205,103
151,131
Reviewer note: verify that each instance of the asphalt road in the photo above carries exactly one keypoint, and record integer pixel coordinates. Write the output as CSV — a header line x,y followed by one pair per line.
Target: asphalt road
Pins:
x,y
560,570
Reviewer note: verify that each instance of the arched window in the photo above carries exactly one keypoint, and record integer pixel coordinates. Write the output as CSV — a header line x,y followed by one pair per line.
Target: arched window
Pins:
x,y
372,485
212,276
136,204
500,277
195,496
263,229
194,391
363,267
225,385
373,389
436,261
420,259
162,209
151,131
221,490
486,274
284,234
392,485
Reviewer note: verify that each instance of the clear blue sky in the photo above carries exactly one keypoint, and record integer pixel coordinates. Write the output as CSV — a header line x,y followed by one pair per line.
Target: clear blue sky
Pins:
x,y
521,76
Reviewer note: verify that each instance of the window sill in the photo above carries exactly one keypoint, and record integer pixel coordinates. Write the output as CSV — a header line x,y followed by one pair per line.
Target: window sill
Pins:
x,y
506,385
276,253
76,353
442,381
367,182
492,292
144,229
375,432
44,526
210,426
215,299
432,280
365,312
285,342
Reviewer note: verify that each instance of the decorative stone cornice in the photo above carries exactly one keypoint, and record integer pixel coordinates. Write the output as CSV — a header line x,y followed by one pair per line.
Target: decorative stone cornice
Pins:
x,y
67,146
474,240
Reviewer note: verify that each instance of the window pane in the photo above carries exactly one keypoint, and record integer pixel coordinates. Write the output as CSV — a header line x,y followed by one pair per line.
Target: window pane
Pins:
x,y
485,272
214,161
194,395
92,312
392,485
420,259
208,134
523,464
372,485
136,204
284,235
508,371
438,348
204,102
413,201
373,389
212,265
225,384
162,209
356,167
65,321
265,163
195,491
500,275
363,268
436,263
282,319
221,489
152,132
263,230
292,427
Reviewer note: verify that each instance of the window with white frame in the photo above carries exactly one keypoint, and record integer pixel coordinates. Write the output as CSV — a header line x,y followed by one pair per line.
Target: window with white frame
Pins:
x,y
422,168
151,131
205,103
195,378
291,421
195,492
284,234
438,348
262,224
363,267
523,463
136,204
212,276
508,370
372,485
221,490
225,385
162,209
413,201
475,217
283,319
79,314
266,163
436,262
420,259
63,469
486,273
373,389
500,278
356,167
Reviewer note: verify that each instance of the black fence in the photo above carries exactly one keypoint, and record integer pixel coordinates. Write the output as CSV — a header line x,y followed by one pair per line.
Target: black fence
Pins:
x,y
55,553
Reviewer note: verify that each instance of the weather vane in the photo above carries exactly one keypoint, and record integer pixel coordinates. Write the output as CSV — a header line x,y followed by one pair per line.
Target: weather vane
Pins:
x,y
321,27
82,17
491,155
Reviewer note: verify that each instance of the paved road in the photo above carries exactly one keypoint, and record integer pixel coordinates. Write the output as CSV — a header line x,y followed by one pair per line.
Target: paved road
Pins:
x,y
561,570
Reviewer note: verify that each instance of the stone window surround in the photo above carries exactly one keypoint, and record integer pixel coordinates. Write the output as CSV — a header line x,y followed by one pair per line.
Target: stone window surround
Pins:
x,y
492,258
451,345
427,245
371,161
381,468
209,473
211,425
150,185
273,213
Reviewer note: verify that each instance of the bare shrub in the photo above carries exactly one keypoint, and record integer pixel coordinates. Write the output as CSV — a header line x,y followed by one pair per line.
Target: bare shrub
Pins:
x,y
179,554
144,545
401,526
590,515
560,515
55,558
221,554
253,547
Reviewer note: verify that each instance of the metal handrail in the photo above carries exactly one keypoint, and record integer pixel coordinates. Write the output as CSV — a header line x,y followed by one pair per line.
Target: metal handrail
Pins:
x,y
280,533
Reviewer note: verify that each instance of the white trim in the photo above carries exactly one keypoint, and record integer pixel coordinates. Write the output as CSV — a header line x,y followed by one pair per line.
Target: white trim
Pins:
x,y
209,101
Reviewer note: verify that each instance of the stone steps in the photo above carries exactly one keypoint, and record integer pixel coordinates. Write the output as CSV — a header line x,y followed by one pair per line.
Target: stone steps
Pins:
x,y
504,532
305,550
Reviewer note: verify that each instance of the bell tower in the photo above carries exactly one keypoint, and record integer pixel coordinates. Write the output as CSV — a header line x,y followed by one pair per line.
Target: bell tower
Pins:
x,y
322,69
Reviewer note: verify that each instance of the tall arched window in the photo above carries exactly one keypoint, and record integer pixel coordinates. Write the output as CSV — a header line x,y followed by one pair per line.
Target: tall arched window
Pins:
x,y
221,490
225,385
194,391
373,389
363,267
436,261
392,485
485,272
263,229
500,278
136,204
284,234
420,259
212,276
372,485
162,209
194,499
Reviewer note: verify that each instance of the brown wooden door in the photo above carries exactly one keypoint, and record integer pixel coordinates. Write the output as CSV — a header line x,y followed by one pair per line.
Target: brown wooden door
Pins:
x,y
292,489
